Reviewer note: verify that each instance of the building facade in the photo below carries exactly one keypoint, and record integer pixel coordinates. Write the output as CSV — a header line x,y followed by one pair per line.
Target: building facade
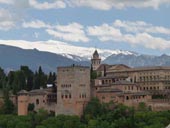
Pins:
x,y
132,86
71,97
73,89
115,83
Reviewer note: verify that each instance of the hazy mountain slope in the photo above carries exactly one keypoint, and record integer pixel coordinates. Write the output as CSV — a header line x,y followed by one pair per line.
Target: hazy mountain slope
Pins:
x,y
13,58
138,60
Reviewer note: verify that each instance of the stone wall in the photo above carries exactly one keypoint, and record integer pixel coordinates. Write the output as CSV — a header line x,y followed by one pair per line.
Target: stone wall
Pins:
x,y
73,89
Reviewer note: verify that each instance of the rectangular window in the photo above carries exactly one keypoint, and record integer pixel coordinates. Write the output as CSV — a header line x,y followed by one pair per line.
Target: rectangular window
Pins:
x,y
62,96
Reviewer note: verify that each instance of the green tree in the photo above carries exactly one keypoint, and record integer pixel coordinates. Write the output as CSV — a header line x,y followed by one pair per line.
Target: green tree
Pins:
x,y
8,106
2,77
142,107
40,79
31,107
28,77
93,109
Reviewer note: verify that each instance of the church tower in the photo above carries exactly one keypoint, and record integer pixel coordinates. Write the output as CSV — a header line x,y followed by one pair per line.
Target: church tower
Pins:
x,y
95,61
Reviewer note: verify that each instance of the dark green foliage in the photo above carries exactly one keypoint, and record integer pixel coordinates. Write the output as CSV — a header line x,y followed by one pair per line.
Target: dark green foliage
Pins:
x,y
40,79
2,77
25,79
63,121
106,116
94,109
51,78
142,107
28,77
99,115
31,107
8,106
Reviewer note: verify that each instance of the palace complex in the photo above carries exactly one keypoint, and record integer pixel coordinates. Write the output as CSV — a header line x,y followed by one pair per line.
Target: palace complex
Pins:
x,y
114,83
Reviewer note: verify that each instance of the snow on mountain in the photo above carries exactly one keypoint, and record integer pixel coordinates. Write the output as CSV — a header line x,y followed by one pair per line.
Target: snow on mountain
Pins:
x,y
70,51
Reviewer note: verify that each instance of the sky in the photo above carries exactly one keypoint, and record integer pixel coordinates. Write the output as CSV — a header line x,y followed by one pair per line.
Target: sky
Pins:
x,y
141,26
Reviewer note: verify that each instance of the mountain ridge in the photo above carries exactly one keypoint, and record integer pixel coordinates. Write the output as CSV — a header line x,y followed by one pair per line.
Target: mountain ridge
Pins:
x,y
13,57
139,61
62,48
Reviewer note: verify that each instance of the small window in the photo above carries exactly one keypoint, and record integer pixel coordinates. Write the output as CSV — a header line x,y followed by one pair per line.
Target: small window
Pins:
x,y
37,101
62,96
127,98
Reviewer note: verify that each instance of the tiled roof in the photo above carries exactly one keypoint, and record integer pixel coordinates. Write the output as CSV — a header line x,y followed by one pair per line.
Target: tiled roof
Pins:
x,y
23,92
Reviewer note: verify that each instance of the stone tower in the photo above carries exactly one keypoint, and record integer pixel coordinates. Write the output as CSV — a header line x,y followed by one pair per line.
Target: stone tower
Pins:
x,y
23,98
96,60
73,89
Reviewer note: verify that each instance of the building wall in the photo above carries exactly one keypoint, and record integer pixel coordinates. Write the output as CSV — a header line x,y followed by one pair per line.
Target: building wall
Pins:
x,y
107,97
154,78
39,101
134,100
73,89
23,100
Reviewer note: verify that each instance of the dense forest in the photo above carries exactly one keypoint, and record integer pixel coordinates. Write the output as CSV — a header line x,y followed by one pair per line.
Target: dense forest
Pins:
x,y
96,115
25,79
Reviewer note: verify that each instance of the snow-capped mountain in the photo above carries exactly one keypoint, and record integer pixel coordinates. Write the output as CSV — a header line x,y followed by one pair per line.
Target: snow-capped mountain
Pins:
x,y
13,57
76,53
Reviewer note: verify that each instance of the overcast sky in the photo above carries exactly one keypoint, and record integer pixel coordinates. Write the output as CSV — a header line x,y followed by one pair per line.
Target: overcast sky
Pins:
x,y
141,26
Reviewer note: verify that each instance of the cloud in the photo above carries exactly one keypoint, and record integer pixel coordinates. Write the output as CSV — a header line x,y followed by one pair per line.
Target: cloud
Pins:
x,y
6,20
140,26
72,32
104,32
137,33
6,1
46,5
95,4
35,24
139,37
118,4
